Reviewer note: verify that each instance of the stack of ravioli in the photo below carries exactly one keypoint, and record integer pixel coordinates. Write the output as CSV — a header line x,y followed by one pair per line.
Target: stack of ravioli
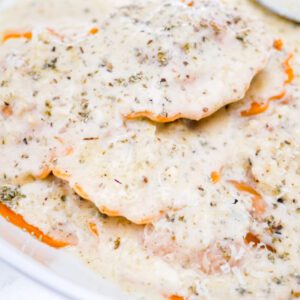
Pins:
x,y
157,139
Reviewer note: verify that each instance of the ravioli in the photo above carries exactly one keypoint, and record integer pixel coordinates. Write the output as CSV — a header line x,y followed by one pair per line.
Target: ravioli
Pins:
x,y
169,58
167,72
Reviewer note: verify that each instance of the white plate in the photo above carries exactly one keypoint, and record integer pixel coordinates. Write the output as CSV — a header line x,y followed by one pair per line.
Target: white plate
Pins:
x,y
55,269
289,9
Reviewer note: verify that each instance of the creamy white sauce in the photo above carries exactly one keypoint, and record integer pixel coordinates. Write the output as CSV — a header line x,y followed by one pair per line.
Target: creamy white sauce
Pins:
x,y
263,150
68,92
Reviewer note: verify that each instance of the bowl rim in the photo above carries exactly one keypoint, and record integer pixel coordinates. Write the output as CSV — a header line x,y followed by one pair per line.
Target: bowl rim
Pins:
x,y
40,274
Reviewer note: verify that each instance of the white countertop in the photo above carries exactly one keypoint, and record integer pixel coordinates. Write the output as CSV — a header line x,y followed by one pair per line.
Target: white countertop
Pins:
x,y
15,286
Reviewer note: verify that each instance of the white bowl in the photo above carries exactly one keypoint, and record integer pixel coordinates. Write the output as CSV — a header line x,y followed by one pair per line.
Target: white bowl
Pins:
x,y
286,8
